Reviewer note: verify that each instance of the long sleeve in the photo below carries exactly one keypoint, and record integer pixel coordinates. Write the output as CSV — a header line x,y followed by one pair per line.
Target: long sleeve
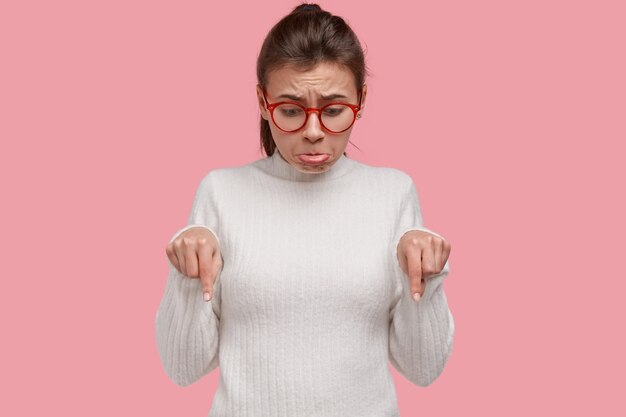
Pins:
x,y
420,334
187,327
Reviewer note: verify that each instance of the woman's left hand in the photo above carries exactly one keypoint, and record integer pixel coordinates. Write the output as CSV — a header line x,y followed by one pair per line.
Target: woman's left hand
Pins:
x,y
421,255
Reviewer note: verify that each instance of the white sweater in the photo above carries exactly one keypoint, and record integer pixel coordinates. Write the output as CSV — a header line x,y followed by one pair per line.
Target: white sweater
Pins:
x,y
311,302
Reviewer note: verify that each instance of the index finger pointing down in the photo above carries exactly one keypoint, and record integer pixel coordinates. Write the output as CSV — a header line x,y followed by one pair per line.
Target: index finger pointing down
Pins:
x,y
207,269
414,261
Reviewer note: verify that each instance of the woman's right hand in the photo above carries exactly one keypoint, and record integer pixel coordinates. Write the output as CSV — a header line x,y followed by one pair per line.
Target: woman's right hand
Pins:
x,y
196,254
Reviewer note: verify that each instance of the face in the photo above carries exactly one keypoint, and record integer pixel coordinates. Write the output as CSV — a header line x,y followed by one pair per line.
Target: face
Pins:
x,y
308,88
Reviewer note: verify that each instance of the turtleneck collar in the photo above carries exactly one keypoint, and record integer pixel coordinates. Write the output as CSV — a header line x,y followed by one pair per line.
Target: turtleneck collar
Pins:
x,y
275,165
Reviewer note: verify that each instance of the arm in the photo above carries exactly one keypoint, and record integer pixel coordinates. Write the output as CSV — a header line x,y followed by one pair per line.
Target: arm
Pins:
x,y
187,327
420,334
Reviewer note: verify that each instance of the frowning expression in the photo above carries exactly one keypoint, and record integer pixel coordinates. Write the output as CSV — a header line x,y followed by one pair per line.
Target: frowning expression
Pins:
x,y
324,84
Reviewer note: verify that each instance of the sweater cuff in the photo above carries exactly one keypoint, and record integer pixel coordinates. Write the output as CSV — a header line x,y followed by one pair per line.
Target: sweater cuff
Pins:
x,y
190,292
421,229
435,282
184,229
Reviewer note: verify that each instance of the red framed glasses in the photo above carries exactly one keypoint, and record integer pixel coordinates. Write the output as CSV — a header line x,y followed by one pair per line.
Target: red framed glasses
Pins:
x,y
336,117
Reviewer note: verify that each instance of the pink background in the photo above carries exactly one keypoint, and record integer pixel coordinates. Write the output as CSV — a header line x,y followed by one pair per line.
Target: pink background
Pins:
x,y
510,116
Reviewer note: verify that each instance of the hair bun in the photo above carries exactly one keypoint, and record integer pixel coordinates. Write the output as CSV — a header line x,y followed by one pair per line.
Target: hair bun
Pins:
x,y
308,7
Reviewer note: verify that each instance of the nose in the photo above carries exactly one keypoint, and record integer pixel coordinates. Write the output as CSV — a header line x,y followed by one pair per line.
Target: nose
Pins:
x,y
313,128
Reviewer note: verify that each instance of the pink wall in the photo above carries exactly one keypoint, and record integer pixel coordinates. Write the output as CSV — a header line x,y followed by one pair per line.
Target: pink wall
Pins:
x,y
510,116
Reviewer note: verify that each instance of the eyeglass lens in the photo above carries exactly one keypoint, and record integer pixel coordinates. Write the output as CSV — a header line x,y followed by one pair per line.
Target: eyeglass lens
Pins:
x,y
336,117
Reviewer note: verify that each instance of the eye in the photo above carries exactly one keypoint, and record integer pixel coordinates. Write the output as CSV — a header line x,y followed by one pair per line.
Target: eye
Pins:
x,y
289,110
333,111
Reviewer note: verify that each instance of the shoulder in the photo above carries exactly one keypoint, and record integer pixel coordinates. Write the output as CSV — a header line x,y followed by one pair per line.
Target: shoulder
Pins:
x,y
391,178
226,177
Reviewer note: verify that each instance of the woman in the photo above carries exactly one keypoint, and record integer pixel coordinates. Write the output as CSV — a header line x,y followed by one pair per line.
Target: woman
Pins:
x,y
304,256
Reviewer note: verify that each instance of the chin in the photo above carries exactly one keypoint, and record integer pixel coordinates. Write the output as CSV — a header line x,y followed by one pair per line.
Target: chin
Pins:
x,y
314,169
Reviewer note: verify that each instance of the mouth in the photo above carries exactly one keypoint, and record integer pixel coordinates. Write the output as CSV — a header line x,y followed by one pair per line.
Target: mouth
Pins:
x,y
313,158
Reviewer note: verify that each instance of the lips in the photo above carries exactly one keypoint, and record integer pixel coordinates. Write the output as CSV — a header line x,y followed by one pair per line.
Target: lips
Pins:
x,y
313,159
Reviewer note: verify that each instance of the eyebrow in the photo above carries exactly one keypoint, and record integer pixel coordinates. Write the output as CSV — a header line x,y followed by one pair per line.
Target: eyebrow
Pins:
x,y
298,98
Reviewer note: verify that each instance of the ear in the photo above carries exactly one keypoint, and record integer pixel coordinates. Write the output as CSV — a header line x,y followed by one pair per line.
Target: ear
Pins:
x,y
264,112
363,96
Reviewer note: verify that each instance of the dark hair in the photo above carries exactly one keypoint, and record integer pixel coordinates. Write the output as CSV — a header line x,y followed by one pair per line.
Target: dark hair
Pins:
x,y
304,38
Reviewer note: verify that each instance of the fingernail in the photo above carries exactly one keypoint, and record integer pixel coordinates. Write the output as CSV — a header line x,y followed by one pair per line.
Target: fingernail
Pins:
x,y
416,296
207,296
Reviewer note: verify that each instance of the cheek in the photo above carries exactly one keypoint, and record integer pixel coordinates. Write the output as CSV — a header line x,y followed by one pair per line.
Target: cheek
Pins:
x,y
281,138
276,134
345,136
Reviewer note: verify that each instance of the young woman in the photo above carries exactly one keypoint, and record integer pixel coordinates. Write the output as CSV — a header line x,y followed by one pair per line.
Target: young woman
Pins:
x,y
303,273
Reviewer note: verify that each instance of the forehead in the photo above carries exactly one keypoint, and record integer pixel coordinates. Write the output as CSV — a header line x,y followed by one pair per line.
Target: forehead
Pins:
x,y
325,78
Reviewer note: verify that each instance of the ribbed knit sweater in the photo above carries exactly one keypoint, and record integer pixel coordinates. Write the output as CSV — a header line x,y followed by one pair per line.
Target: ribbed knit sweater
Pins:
x,y
311,303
